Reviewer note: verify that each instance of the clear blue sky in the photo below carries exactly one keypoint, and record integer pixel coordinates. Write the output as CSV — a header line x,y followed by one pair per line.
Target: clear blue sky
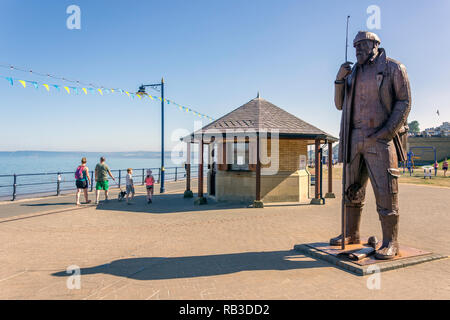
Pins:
x,y
214,56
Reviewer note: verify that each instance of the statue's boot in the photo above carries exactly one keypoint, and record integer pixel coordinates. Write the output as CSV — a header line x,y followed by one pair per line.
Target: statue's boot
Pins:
x,y
390,248
353,220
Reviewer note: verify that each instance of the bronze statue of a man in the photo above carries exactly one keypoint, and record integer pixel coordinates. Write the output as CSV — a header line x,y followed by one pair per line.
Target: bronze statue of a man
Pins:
x,y
375,99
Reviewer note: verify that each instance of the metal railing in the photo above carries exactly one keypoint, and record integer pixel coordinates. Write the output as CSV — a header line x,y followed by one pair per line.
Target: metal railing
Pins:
x,y
56,183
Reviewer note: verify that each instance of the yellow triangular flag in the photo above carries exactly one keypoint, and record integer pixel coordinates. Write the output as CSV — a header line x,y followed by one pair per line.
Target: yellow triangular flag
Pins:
x,y
151,97
23,83
100,90
67,89
128,94
85,91
46,86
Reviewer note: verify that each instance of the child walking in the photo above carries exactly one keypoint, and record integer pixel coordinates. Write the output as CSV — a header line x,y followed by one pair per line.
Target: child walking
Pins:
x,y
130,185
149,183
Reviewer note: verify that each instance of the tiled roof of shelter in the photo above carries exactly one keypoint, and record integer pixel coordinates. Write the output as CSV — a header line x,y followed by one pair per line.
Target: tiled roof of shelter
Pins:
x,y
259,114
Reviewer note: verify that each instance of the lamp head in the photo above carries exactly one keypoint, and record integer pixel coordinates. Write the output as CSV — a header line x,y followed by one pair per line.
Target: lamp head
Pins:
x,y
141,91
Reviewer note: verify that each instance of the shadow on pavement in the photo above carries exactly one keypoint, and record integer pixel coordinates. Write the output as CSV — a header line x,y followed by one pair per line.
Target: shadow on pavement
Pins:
x,y
277,205
166,203
201,266
48,204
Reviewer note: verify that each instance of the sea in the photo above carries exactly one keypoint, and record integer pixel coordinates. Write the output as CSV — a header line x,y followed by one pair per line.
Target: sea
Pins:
x,y
38,172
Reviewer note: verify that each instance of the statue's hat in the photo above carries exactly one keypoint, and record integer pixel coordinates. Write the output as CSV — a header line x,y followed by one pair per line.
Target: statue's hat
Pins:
x,y
366,35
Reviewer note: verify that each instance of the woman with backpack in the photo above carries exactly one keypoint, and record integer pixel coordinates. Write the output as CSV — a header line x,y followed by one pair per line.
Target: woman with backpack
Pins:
x,y
82,180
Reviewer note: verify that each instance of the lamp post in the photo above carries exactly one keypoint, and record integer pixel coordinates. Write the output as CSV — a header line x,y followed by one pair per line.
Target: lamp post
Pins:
x,y
142,92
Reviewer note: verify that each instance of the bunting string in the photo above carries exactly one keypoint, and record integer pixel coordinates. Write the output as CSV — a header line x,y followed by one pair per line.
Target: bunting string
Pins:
x,y
89,89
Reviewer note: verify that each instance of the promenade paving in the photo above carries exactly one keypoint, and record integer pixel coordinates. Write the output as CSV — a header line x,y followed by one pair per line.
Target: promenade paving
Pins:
x,y
45,205
173,249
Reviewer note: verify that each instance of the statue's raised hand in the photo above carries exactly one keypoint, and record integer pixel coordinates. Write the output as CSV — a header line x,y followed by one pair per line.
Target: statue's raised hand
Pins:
x,y
344,71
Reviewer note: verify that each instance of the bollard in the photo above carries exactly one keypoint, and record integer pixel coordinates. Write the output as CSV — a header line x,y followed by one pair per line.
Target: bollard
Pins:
x,y
321,175
143,176
159,175
58,184
14,187
119,177
176,173
92,180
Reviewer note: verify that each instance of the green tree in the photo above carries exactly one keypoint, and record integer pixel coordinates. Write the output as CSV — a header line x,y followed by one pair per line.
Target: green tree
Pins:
x,y
414,126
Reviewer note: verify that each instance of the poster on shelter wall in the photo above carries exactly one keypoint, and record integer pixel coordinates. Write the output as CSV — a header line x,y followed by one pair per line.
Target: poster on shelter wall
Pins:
x,y
302,165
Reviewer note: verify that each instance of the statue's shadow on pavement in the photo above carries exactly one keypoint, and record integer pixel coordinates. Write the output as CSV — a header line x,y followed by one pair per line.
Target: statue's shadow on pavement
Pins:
x,y
201,266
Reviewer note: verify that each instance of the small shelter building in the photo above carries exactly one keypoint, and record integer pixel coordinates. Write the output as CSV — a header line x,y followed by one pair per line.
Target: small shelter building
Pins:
x,y
258,154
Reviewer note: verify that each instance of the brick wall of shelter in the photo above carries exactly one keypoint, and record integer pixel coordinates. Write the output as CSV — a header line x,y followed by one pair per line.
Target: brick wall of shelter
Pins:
x,y
290,151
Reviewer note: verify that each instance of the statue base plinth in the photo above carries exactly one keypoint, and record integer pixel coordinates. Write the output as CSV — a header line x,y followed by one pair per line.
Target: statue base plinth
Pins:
x,y
333,254
330,195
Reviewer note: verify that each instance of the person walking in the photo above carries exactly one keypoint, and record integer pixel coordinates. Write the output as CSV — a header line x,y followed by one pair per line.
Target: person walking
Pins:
x,y
83,180
101,176
445,167
436,167
149,184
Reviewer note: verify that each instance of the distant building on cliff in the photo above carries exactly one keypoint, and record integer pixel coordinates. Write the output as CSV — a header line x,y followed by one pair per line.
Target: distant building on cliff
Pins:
x,y
441,131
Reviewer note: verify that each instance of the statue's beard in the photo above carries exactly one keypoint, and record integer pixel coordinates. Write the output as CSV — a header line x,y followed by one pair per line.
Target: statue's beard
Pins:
x,y
362,58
